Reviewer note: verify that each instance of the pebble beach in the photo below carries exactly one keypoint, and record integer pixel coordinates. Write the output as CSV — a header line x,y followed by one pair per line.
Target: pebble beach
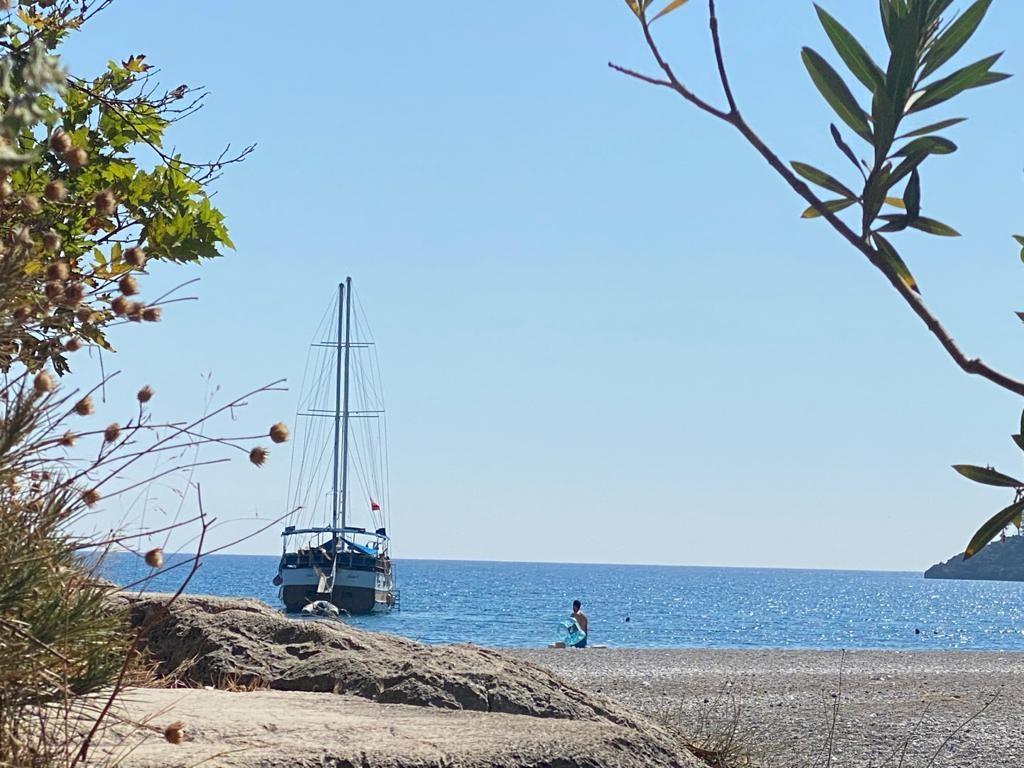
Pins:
x,y
945,708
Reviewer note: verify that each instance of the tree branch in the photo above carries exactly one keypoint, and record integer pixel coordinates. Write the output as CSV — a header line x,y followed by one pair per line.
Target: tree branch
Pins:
x,y
971,365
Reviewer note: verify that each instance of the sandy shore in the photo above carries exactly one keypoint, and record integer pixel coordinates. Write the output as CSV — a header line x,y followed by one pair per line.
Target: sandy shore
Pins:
x,y
784,699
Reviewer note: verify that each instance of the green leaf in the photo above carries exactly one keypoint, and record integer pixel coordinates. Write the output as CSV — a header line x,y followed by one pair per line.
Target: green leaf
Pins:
x,y
1020,315
851,52
912,195
822,179
843,146
833,205
669,8
835,92
933,227
972,76
1019,239
932,128
897,222
987,476
907,165
992,527
953,39
892,258
1019,440
932,145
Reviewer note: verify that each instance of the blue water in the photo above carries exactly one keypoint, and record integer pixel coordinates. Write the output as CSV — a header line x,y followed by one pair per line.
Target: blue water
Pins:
x,y
523,604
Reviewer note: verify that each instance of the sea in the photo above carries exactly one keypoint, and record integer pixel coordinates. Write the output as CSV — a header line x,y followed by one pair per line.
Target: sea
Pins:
x,y
523,605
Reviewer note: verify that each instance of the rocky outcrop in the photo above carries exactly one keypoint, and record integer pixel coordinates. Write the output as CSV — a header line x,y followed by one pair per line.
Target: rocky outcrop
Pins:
x,y
999,561
511,711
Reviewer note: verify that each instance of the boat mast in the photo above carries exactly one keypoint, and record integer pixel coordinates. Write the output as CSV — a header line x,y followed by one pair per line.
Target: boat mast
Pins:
x,y
337,418
344,412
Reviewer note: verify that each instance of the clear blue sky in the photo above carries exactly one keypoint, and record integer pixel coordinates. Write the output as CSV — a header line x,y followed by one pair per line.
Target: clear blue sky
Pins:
x,y
606,333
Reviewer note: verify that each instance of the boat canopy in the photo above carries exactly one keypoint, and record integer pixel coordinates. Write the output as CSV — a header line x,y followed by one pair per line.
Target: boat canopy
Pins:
x,y
291,530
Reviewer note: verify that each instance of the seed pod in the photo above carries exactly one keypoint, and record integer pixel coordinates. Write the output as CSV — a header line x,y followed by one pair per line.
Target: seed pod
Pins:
x,y
22,313
85,315
135,311
155,558
42,383
129,285
120,306
91,497
258,456
51,240
73,294
105,202
58,271
76,157
145,394
31,204
279,433
135,257
67,440
55,191
152,314
60,141
175,732
53,290
6,190
84,406
73,344
112,432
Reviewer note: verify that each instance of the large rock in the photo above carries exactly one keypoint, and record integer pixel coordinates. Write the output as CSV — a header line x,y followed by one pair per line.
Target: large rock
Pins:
x,y
507,711
999,561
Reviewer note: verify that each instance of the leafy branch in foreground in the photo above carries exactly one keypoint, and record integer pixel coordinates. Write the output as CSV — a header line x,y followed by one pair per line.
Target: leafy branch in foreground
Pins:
x,y
886,192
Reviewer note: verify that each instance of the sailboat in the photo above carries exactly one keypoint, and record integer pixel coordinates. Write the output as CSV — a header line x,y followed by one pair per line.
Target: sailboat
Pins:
x,y
328,559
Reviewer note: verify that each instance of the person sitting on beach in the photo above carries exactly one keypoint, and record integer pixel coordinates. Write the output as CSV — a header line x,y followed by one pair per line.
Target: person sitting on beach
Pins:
x,y
577,627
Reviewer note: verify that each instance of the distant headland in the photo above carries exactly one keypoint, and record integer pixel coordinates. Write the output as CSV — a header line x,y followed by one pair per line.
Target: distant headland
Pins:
x,y
999,561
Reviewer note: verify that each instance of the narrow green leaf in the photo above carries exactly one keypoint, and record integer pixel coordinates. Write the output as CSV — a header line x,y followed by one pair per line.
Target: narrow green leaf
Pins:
x,y
953,39
896,202
885,119
836,93
992,527
833,205
851,52
987,476
912,195
932,128
822,179
896,222
932,145
972,76
669,8
1020,315
933,227
843,146
1019,239
889,254
908,164
1019,440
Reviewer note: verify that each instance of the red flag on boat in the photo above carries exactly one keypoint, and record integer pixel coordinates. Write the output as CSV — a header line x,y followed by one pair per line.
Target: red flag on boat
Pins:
x,y
374,506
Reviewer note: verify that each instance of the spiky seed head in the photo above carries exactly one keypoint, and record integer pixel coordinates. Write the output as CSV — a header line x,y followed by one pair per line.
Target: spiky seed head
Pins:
x,y
129,285
6,190
73,294
258,456
51,240
22,313
42,383
60,142
23,235
91,497
145,394
53,290
112,432
73,344
76,157
84,315
31,204
135,311
175,732
55,191
155,557
152,314
105,202
84,406
58,271
135,257
120,306
67,440
279,432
